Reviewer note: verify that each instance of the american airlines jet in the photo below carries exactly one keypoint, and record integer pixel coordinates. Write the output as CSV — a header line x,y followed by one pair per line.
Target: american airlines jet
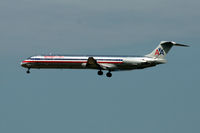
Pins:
x,y
108,63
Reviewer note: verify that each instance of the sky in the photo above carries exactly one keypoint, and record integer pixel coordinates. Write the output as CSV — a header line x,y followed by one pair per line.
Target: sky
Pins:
x,y
164,98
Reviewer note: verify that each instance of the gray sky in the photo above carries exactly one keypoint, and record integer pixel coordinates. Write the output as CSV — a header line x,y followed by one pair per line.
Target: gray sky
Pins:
x,y
160,99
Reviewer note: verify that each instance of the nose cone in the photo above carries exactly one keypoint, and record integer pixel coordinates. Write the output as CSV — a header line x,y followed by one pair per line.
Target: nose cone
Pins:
x,y
24,64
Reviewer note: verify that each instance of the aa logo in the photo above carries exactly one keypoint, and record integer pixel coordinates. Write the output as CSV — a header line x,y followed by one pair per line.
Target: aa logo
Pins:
x,y
159,51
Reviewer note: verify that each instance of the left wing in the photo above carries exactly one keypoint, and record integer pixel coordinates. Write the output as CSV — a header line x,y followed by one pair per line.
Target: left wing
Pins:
x,y
92,63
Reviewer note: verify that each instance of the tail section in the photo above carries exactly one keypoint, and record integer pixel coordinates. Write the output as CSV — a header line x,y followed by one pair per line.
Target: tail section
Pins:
x,y
163,48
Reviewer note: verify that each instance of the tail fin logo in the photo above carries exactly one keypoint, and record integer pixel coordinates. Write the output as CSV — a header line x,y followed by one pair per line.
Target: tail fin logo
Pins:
x,y
159,51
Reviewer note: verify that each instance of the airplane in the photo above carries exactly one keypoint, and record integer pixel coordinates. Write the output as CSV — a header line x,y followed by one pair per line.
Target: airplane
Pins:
x,y
108,63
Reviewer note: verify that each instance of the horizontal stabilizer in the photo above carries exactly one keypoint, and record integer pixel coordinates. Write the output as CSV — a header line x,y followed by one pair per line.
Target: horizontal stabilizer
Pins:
x,y
182,45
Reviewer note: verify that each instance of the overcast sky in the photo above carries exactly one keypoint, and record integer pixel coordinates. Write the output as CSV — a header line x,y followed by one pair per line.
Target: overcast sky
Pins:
x,y
160,99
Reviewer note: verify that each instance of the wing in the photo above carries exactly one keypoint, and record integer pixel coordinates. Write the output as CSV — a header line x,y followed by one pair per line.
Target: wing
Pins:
x,y
92,63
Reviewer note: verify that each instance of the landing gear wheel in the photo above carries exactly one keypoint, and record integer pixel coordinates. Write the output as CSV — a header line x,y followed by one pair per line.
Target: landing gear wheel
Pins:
x,y
100,73
28,71
109,74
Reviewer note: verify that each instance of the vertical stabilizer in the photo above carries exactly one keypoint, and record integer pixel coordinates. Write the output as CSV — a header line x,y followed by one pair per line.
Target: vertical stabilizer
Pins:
x,y
163,48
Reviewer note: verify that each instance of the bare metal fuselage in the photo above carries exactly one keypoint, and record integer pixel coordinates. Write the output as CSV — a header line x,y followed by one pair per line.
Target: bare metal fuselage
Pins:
x,y
110,63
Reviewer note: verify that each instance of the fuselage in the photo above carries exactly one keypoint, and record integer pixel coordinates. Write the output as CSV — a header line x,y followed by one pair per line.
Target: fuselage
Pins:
x,y
113,63
109,63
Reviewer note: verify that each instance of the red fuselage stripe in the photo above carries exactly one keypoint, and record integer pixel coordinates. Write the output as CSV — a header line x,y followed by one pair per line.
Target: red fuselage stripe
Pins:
x,y
110,62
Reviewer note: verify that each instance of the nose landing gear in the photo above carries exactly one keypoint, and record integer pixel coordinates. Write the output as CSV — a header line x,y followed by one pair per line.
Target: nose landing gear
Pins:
x,y
28,71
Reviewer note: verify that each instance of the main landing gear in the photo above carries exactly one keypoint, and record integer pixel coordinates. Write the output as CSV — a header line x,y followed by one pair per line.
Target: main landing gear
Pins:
x,y
109,74
28,71
100,72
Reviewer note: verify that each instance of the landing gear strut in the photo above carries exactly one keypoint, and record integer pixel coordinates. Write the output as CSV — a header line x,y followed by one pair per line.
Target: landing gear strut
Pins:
x,y
109,74
100,72
28,71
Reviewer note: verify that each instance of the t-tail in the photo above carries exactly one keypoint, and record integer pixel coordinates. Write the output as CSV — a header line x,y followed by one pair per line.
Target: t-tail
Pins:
x,y
163,48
